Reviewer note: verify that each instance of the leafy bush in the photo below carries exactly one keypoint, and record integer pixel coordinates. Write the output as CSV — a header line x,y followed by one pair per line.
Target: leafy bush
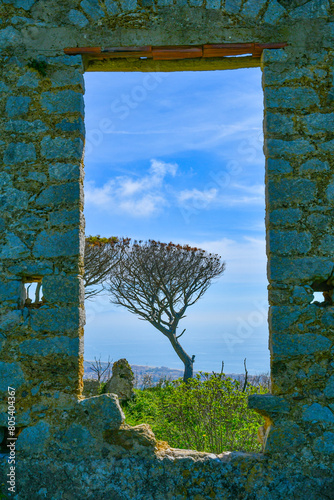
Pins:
x,y
208,413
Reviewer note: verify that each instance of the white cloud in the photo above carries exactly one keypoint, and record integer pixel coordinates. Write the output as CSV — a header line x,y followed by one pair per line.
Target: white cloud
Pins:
x,y
141,197
245,259
205,196
211,197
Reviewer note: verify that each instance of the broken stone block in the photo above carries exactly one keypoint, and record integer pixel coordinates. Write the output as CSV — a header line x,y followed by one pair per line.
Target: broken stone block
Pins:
x,y
122,380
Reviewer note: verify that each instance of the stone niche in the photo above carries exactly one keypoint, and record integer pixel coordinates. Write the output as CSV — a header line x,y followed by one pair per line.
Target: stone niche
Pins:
x,y
73,447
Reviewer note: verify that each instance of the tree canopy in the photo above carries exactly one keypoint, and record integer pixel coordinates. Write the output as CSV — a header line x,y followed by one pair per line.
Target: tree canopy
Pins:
x,y
101,255
159,281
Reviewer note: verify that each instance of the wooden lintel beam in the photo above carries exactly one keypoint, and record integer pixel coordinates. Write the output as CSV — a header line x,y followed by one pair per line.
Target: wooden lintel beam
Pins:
x,y
168,53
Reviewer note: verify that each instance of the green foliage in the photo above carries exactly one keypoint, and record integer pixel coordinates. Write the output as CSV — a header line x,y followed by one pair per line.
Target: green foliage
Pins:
x,y
102,388
39,66
208,413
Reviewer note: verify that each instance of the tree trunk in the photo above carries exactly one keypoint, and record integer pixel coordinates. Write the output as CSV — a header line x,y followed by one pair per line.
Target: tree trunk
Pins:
x,y
187,360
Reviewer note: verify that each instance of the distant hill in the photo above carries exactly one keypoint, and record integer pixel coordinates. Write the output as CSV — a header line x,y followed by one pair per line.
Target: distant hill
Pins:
x,y
152,374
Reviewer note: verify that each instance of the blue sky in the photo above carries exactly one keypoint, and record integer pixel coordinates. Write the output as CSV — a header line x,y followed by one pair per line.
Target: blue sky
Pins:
x,y
178,157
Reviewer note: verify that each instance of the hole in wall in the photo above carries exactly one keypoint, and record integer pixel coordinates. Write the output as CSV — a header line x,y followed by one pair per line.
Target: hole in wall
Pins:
x,y
32,293
323,299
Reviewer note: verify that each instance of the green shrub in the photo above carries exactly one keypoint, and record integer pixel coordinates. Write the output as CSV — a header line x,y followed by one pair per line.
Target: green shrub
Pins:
x,y
209,413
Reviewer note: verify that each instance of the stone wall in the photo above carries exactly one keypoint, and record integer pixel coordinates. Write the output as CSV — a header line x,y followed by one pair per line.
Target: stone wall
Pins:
x,y
42,231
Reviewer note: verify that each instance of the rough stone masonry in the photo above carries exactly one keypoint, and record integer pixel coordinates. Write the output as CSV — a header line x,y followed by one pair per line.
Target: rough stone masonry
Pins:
x,y
70,447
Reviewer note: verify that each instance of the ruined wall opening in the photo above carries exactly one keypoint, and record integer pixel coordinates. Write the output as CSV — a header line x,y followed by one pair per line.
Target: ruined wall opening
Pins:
x,y
232,179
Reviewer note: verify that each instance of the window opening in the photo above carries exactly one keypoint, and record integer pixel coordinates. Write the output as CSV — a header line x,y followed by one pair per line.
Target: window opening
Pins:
x,y
107,125
32,293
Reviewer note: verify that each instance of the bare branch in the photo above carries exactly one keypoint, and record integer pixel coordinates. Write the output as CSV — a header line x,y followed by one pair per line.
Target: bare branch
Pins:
x,y
181,334
246,377
97,367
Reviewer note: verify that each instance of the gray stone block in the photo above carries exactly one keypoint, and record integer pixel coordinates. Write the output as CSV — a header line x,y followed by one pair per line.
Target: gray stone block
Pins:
x,y
276,123
78,18
232,6
329,390
29,80
57,244
302,295
252,8
19,152
63,78
92,8
13,247
24,127
113,8
276,166
192,3
64,172
282,318
75,61
11,374
287,436
63,289
103,412
129,5
311,10
21,4
9,36
330,192
71,126
325,444
53,196
268,404
59,346
314,165
17,105
299,269
327,244
64,218
10,290
296,191
274,56
34,439
6,180
213,4
64,101
80,436
289,242
284,216
321,222
278,77
284,345
290,98
319,122
3,87
327,319
13,199
9,321
38,177
59,148
326,146
317,413
30,268
276,148
274,12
